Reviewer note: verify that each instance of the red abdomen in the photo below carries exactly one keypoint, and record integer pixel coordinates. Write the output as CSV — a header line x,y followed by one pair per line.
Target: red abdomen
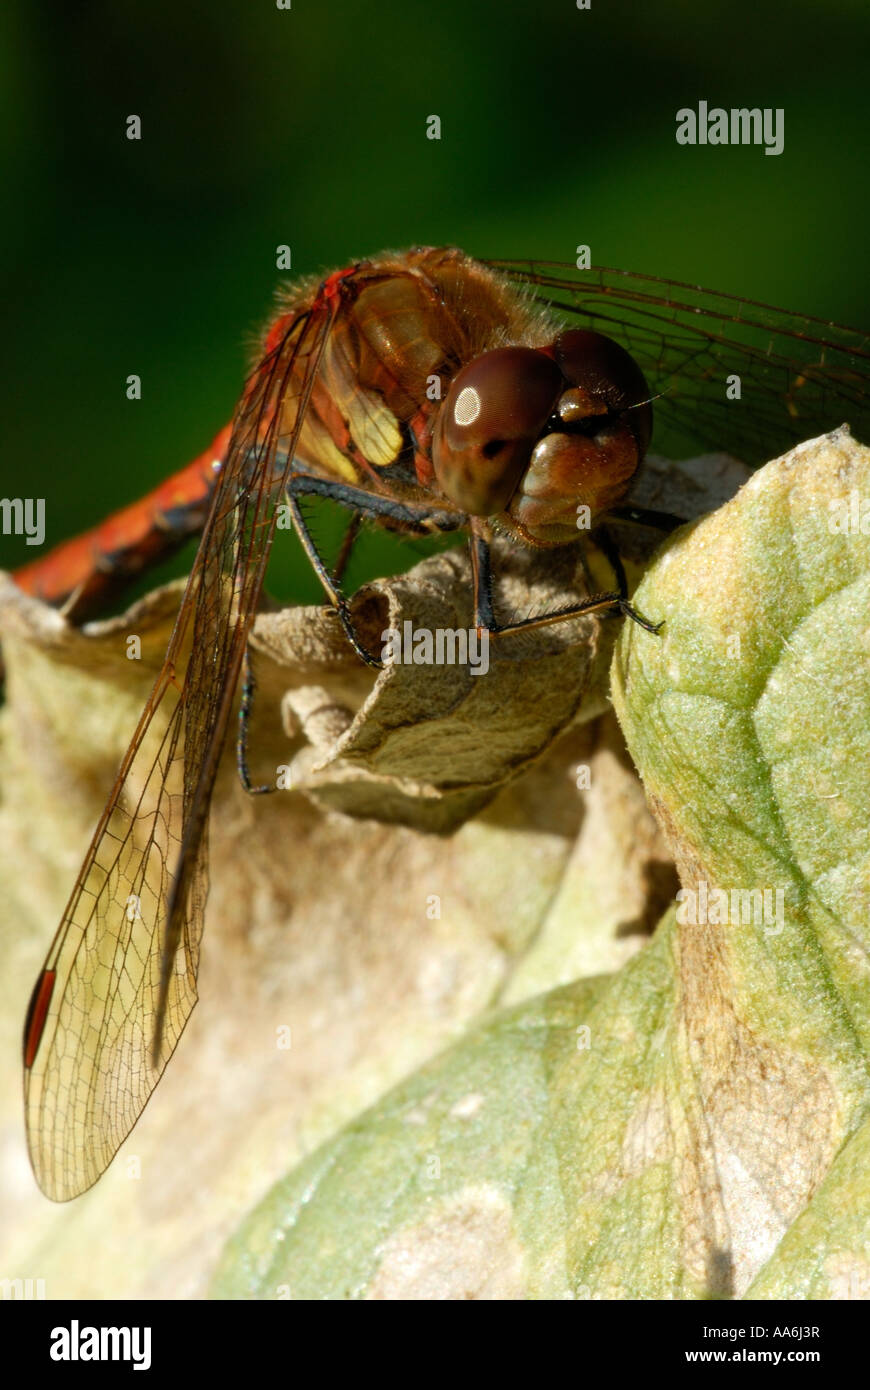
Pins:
x,y
89,568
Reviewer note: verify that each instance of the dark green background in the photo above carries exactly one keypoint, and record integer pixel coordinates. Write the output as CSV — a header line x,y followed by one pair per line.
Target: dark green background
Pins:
x,y
308,127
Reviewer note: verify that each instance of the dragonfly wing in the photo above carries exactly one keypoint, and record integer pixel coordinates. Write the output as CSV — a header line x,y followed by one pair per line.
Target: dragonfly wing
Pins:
x,y
119,982
88,1041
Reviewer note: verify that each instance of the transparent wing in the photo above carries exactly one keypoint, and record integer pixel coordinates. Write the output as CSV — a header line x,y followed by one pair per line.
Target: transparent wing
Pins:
x,y
797,376
119,982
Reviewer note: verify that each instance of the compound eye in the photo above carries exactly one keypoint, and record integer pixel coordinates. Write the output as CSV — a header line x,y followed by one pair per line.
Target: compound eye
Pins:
x,y
604,371
491,419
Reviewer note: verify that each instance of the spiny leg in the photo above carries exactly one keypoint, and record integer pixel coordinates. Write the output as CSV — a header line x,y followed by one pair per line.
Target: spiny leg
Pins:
x,y
421,520
645,516
665,522
607,546
336,597
484,614
249,685
347,545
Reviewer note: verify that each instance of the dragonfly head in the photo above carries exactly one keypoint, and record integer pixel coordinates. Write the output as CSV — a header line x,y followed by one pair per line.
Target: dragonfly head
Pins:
x,y
531,434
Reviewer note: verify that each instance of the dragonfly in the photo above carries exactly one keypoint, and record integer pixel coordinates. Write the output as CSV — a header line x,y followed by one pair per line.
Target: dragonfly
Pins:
x,y
429,392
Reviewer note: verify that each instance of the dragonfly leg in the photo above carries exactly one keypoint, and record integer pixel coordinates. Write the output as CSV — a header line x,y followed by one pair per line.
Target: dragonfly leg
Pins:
x,y
607,546
347,545
249,683
644,516
420,520
336,597
424,520
249,686
484,613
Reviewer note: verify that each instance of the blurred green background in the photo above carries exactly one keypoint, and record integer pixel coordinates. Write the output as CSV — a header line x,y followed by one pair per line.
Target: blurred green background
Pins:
x,y
308,126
